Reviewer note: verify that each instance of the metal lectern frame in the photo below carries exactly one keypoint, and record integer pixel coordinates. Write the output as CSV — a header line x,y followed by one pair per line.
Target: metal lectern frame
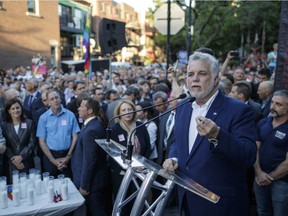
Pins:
x,y
147,171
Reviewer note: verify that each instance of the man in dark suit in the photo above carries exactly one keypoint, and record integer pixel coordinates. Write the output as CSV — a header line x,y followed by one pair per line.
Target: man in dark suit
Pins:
x,y
73,104
242,91
90,173
33,95
159,98
99,96
214,143
265,92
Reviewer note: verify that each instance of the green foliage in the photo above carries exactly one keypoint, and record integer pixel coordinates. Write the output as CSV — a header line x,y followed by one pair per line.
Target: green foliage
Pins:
x,y
228,25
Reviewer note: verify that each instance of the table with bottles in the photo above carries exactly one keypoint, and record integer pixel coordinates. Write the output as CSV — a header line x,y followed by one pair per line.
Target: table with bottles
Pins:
x,y
38,194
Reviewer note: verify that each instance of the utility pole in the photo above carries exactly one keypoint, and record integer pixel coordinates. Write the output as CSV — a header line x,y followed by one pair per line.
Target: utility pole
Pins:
x,y
189,34
168,37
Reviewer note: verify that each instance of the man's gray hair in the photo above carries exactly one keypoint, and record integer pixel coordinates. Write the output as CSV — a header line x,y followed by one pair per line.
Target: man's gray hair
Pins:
x,y
211,60
34,82
160,94
283,93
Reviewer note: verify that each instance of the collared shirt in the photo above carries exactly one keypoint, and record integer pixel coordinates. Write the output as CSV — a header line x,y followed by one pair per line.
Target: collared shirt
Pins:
x,y
274,144
88,120
57,130
34,95
169,127
198,111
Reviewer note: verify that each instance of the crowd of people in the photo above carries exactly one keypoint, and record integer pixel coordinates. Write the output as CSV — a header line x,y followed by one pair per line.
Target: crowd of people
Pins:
x,y
231,139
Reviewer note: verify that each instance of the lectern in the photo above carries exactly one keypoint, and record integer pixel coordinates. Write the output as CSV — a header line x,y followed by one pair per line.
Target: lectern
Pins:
x,y
146,171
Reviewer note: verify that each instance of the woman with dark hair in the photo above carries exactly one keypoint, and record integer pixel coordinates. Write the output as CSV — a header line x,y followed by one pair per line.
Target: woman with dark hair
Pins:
x,y
19,134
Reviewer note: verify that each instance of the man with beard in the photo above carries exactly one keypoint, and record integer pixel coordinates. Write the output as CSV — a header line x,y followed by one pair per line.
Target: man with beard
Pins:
x,y
214,143
271,167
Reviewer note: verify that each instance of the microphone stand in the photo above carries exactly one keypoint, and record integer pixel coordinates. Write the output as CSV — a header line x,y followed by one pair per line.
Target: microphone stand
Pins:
x,y
146,171
108,129
126,156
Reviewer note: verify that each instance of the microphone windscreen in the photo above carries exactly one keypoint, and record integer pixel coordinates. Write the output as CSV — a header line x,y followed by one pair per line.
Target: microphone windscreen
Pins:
x,y
192,99
182,96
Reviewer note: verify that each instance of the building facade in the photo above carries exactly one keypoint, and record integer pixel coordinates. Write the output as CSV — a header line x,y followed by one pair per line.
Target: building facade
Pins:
x,y
54,29
29,28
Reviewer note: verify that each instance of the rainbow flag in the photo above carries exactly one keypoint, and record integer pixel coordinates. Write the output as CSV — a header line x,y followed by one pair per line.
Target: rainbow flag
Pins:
x,y
86,43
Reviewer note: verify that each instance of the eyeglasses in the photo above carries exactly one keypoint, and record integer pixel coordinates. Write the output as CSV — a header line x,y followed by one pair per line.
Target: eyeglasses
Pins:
x,y
54,98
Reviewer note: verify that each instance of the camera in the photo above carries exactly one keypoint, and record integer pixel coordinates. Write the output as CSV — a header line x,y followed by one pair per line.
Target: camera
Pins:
x,y
234,53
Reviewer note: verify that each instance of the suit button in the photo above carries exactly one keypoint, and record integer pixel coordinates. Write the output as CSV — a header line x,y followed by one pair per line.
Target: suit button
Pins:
x,y
187,168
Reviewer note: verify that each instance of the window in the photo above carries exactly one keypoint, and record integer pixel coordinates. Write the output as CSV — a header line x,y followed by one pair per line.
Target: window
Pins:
x,y
33,7
65,14
77,18
53,56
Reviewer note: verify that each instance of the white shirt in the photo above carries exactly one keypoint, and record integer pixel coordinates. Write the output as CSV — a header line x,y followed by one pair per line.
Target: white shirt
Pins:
x,y
169,127
198,111
152,131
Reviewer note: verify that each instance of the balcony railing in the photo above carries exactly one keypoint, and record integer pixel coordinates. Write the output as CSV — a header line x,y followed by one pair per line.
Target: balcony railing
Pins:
x,y
68,21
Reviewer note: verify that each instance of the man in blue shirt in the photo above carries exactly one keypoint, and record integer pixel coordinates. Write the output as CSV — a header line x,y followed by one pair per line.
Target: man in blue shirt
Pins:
x,y
57,131
271,166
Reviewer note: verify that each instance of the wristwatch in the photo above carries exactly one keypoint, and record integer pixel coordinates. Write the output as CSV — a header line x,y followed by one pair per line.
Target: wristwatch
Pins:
x,y
213,141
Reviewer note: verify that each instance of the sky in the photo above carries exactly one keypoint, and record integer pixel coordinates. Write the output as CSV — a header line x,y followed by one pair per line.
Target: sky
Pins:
x,y
139,5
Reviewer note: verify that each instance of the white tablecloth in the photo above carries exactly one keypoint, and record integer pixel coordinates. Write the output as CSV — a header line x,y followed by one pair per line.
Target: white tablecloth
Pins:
x,y
43,207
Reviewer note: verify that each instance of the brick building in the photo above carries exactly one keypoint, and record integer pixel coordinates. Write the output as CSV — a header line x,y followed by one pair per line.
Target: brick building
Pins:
x,y
54,29
28,28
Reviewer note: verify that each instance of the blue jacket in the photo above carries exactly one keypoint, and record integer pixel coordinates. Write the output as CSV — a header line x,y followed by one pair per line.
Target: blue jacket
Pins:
x,y
88,162
222,169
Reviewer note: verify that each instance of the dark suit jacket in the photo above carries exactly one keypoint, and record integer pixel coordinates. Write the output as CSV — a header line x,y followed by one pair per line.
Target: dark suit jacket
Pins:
x,y
120,135
162,133
222,169
26,100
36,103
266,109
88,162
256,108
72,105
104,106
19,144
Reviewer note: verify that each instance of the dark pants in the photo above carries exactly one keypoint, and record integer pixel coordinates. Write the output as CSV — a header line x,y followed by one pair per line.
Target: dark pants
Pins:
x,y
1,164
52,169
96,203
184,209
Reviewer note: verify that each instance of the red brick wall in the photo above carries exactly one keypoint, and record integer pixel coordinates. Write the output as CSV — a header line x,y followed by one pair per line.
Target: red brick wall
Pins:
x,y
23,36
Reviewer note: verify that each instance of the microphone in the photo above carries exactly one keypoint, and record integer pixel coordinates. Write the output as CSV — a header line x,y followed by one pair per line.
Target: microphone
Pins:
x,y
130,146
108,129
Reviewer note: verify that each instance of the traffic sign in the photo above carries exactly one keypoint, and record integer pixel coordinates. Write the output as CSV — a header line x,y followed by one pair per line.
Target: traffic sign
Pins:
x,y
177,19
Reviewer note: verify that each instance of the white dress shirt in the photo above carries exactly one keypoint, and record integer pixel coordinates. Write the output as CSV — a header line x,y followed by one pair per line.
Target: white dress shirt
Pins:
x,y
198,111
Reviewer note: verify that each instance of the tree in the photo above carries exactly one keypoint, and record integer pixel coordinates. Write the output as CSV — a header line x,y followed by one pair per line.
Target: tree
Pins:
x,y
227,25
